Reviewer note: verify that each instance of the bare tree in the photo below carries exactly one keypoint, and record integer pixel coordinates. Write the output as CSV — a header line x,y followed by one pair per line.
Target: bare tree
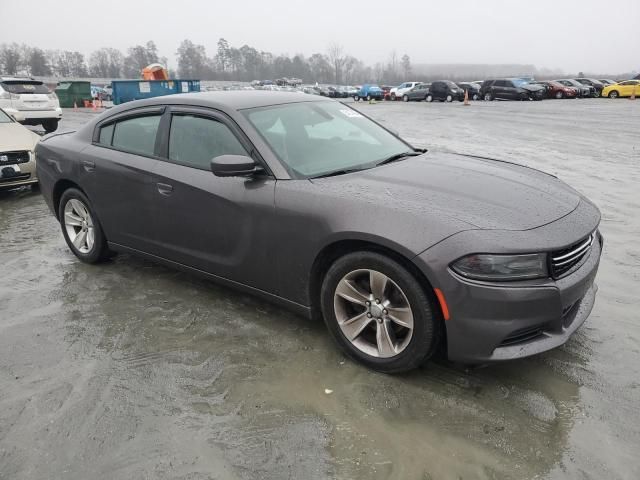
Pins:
x,y
406,65
10,58
335,53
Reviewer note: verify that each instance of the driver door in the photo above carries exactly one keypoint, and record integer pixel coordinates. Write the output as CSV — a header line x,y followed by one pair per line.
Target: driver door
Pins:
x,y
216,224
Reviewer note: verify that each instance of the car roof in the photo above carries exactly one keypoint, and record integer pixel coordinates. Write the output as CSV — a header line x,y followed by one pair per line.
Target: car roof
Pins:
x,y
230,100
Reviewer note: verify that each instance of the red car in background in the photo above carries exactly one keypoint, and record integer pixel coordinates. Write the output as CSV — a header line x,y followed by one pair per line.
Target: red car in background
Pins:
x,y
558,90
386,92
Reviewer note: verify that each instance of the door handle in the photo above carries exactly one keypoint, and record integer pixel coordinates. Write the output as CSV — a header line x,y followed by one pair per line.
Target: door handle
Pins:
x,y
89,165
164,188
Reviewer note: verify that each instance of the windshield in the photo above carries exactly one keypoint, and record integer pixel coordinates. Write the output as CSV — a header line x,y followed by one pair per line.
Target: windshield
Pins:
x,y
19,87
519,82
317,138
4,118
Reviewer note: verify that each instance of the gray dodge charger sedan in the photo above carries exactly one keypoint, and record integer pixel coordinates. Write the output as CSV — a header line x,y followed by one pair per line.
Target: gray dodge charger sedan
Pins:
x,y
309,203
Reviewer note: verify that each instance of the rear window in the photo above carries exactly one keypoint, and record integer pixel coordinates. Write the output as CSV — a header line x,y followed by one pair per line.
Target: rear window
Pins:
x,y
136,135
24,87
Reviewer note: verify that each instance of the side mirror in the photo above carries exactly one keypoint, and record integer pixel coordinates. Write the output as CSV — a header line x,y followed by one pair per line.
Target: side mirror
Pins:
x,y
234,166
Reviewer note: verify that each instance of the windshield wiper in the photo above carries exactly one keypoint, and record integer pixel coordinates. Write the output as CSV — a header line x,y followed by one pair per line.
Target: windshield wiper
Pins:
x,y
398,156
339,172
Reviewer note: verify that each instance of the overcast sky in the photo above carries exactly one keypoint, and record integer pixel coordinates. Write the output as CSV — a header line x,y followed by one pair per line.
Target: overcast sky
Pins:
x,y
571,35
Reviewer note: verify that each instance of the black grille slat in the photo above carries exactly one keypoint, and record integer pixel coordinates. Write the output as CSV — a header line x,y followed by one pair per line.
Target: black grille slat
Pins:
x,y
13,158
523,335
564,260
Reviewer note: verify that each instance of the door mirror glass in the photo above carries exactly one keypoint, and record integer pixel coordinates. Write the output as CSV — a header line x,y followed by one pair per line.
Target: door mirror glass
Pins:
x,y
234,166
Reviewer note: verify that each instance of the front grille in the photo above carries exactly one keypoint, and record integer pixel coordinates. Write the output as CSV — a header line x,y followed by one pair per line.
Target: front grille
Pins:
x,y
12,158
16,178
564,260
523,335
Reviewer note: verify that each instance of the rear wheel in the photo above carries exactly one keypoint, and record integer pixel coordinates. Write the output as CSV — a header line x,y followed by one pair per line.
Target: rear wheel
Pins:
x,y
488,97
449,98
378,313
81,228
369,98
559,94
405,98
429,98
50,125
393,97
475,96
614,94
356,98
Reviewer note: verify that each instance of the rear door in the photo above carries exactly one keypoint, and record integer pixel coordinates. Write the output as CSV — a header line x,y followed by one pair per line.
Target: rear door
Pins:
x,y
115,172
216,224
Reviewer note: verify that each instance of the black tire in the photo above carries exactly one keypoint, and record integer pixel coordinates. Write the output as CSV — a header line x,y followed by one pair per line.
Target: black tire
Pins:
x,y
428,98
488,97
449,98
475,97
559,94
369,98
50,125
427,328
393,97
100,251
356,98
613,94
405,98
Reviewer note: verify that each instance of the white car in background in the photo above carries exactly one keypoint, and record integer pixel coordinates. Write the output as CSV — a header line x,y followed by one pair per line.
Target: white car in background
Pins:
x,y
17,160
396,93
30,102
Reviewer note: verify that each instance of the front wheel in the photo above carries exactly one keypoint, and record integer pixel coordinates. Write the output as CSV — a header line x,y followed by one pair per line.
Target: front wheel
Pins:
x,y
405,98
488,97
475,96
559,95
614,94
356,98
449,98
81,228
393,97
378,312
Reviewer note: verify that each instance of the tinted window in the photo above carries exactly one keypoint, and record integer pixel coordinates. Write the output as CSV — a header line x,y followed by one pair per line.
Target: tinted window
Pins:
x,y
106,133
21,87
195,141
136,135
4,118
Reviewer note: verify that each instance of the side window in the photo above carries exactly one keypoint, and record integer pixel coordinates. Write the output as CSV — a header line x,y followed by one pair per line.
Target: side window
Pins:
x,y
195,141
136,135
106,134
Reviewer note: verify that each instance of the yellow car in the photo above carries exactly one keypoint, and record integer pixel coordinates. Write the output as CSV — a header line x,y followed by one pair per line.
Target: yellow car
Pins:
x,y
622,89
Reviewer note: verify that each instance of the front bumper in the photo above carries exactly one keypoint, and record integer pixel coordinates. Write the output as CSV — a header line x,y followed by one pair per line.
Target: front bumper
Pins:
x,y
491,322
26,176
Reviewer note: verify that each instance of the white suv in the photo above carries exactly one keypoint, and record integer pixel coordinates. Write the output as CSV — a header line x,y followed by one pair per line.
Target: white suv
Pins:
x,y
396,93
30,102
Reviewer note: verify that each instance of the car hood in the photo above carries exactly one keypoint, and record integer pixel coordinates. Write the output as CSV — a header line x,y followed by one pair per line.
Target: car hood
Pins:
x,y
483,193
533,88
14,136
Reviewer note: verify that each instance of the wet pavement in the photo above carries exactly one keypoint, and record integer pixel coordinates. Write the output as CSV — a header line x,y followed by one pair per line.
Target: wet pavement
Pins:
x,y
129,370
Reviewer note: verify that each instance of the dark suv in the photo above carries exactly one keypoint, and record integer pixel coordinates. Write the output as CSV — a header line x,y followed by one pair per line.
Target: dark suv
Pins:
x,y
511,89
592,82
444,91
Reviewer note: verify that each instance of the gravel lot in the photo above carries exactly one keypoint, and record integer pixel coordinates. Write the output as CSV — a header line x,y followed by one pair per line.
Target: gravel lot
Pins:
x,y
130,370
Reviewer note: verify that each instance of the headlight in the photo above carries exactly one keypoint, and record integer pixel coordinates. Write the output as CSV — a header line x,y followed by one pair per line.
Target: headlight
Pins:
x,y
502,267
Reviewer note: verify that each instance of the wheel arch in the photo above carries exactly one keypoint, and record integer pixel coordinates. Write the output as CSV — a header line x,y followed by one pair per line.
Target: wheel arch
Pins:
x,y
332,251
59,188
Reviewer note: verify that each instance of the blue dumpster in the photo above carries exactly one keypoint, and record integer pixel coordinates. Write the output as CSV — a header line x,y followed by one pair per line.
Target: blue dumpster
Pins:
x,y
128,90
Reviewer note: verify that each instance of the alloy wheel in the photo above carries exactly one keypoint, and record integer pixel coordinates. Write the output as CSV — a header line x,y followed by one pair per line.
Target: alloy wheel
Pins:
x,y
79,226
373,313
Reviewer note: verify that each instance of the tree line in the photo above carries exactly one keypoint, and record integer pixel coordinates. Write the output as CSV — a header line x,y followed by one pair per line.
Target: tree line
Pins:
x,y
226,62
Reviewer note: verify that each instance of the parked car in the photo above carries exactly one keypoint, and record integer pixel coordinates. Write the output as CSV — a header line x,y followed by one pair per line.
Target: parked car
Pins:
x,y
351,90
583,90
17,159
109,91
607,81
558,90
30,102
386,92
490,259
369,92
592,82
444,91
622,89
396,93
98,93
472,88
417,93
511,89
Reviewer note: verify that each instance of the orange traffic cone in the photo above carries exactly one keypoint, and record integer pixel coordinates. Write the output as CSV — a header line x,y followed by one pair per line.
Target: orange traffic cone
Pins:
x,y
466,97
